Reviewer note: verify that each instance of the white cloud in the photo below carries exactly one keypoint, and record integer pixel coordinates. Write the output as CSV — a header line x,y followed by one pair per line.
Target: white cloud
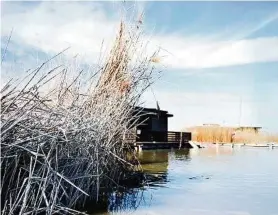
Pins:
x,y
188,53
52,26
190,108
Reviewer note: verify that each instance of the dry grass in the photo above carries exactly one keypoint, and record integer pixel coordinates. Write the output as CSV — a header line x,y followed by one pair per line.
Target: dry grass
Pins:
x,y
218,134
61,144
211,134
250,137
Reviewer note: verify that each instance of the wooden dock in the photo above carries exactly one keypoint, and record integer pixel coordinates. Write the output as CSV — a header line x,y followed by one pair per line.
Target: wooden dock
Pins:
x,y
256,145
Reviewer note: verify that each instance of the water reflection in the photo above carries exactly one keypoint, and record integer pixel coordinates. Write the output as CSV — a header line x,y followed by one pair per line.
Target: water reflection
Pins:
x,y
122,200
155,165
209,181
126,201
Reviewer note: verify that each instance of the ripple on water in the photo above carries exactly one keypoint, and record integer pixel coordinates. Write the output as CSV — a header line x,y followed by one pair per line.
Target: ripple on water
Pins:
x,y
210,182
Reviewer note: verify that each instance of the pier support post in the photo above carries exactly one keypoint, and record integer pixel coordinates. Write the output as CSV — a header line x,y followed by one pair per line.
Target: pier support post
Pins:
x,y
181,140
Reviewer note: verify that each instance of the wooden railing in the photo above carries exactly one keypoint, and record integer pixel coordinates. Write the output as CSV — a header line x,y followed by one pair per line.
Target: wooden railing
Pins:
x,y
174,137
158,136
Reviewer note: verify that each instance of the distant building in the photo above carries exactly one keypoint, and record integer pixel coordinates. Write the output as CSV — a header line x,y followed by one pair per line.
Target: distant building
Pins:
x,y
212,125
251,129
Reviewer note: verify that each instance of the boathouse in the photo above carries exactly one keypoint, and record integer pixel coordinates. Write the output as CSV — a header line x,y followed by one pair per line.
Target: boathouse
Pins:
x,y
153,125
153,128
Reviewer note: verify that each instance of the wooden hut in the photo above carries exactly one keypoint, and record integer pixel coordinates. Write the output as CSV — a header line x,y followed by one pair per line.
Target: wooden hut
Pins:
x,y
153,125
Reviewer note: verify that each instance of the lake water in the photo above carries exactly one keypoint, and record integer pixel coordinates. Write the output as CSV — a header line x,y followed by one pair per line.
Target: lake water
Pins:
x,y
210,181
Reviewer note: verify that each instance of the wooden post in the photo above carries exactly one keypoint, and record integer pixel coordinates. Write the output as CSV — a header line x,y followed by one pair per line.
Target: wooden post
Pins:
x,y
181,139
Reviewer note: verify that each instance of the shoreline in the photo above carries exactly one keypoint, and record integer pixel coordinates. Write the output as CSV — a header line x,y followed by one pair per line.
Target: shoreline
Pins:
x,y
258,145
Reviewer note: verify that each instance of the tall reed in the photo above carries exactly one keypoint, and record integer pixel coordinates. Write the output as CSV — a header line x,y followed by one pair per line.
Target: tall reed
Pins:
x,y
212,133
218,134
60,145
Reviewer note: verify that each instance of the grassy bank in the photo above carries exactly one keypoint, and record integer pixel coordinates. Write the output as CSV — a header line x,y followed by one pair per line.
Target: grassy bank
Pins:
x,y
62,137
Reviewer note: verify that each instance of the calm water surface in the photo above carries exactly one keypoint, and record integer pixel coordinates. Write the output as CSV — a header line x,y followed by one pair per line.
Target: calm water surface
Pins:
x,y
211,181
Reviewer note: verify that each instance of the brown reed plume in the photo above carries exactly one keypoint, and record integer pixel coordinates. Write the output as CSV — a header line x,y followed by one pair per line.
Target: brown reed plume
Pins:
x,y
60,145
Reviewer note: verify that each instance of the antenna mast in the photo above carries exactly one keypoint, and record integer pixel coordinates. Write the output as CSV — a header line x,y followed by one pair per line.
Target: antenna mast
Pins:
x,y
240,111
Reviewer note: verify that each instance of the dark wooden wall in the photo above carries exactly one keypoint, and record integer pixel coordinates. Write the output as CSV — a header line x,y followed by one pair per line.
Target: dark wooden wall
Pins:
x,y
154,128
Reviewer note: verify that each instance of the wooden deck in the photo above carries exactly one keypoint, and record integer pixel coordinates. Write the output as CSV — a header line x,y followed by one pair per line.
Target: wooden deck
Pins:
x,y
174,140
251,145
258,145
161,145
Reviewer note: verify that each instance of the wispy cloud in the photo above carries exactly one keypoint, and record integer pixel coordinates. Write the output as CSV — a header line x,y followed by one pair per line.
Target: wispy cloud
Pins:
x,y
191,108
50,27
194,54
271,18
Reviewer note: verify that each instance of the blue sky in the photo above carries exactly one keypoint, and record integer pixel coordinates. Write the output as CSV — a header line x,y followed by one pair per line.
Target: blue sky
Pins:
x,y
216,54
205,18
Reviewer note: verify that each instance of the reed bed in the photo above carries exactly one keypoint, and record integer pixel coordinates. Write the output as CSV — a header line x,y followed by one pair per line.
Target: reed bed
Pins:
x,y
62,142
212,134
251,137
218,134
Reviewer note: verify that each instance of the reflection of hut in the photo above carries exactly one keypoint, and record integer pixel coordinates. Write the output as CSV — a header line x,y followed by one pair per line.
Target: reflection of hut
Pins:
x,y
153,157
182,154
155,162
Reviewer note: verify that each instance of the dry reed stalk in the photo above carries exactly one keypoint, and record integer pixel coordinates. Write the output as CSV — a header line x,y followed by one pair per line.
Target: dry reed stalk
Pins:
x,y
251,137
219,134
212,134
60,146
